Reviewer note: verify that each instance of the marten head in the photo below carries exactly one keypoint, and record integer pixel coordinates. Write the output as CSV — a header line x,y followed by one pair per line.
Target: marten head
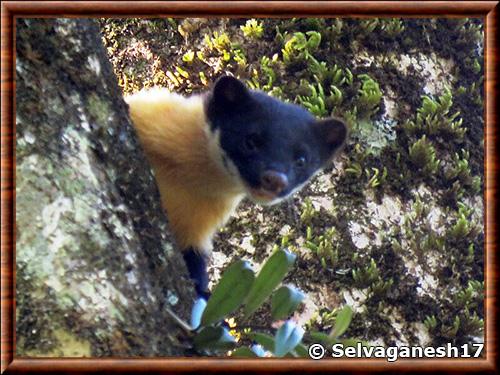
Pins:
x,y
273,147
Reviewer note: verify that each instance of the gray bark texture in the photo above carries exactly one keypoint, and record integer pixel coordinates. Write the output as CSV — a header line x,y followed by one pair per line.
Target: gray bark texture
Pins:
x,y
95,263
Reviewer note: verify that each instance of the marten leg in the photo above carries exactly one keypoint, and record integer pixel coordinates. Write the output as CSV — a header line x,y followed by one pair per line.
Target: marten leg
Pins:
x,y
197,267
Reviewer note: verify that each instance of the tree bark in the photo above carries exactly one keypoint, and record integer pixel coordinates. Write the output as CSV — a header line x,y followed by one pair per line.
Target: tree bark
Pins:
x,y
95,263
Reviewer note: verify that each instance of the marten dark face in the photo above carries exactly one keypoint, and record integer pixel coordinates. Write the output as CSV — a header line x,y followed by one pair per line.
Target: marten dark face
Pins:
x,y
275,146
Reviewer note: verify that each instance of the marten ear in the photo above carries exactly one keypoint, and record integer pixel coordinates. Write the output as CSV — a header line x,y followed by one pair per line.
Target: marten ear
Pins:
x,y
229,92
333,131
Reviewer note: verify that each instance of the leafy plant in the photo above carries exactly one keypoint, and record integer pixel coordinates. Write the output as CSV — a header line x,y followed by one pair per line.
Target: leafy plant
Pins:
x,y
341,321
328,75
356,169
335,30
229,293
465,323
471,324
285,301
364,277
460,229
188,57
224,49
324,246
308,211
287,338
376,179
369,96
430,322
392,27
238,55
203,78
369,25
239,287
380,287
459,170
316,101
264,78
271,274
472,295
423,156
286,341
252,29
300,46
217,41
433,118
182,72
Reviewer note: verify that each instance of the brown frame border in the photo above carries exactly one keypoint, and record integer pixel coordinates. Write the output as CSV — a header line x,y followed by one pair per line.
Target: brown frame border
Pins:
x,y
12,9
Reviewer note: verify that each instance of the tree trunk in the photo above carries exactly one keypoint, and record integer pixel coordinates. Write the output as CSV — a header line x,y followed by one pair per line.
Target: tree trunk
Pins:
x,y
95,263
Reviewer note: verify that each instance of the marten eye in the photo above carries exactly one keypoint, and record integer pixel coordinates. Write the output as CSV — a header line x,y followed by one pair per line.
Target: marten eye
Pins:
x,y
300,161
253,142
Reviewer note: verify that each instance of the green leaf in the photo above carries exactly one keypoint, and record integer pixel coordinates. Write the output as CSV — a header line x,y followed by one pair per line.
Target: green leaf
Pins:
x,y
287,338
229,293
320,337
266,341
302,351
285,301
342,322
243,352
214,338
271,274
314,40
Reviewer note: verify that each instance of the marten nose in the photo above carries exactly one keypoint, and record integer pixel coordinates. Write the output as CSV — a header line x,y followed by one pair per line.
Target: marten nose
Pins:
x,y
274,182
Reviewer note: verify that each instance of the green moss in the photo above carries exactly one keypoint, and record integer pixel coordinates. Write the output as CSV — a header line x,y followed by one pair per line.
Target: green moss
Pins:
x,y
252,29
98,109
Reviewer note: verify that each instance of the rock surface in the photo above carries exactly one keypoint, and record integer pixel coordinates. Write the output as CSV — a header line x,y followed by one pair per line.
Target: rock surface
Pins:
x,y
95,263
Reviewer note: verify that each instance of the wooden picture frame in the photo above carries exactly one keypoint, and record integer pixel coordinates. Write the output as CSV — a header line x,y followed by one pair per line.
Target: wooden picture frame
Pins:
x,y
488,10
